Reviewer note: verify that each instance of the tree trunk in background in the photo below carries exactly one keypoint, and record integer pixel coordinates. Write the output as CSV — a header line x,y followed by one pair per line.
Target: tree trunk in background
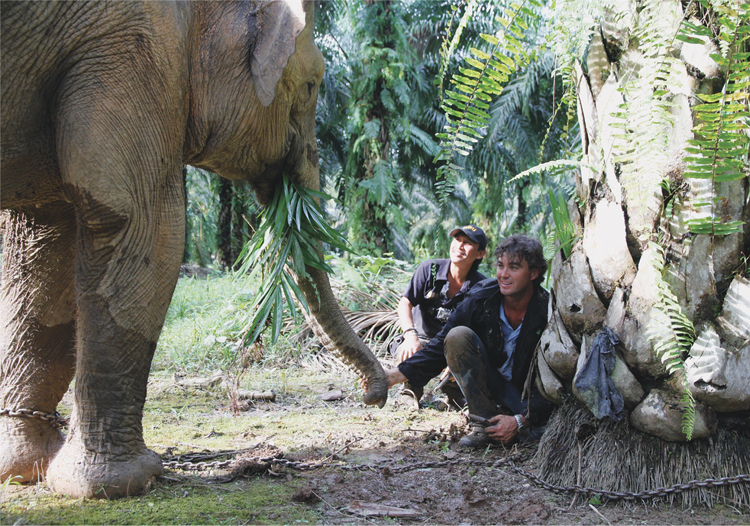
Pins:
x,y
521,219
237,220
186,248
245,217
610,280
369,166
224,254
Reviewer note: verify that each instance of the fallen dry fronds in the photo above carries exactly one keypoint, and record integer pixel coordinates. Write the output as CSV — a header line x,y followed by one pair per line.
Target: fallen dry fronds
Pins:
x,y
617,457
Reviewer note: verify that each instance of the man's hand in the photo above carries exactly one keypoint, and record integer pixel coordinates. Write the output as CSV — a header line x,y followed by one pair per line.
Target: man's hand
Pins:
x,y
409,347
505,428
394,377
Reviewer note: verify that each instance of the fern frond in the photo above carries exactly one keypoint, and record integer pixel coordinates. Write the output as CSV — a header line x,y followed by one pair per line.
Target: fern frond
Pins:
x,y
646,113
466,105
450,42
548,166
719,151
672,334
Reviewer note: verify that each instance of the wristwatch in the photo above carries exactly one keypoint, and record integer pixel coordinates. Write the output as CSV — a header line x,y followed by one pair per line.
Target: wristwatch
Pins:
x,y
519,422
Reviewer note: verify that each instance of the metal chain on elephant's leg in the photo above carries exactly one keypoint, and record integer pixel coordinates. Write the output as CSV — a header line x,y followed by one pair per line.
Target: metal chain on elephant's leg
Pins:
x,y
391,468
55,419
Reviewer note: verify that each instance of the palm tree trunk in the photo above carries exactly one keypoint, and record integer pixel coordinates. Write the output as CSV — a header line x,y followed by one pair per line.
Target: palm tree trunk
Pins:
x,y
224,253
634,245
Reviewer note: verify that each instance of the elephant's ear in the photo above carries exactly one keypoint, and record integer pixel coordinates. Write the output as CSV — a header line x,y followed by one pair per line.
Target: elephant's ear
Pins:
x,y
279,24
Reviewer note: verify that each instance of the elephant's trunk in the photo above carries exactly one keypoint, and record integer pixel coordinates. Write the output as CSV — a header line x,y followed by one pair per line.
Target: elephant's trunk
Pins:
x,y
330,326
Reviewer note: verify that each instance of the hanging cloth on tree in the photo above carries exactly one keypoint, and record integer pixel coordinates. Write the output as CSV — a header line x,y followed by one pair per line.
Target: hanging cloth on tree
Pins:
x,y
594,381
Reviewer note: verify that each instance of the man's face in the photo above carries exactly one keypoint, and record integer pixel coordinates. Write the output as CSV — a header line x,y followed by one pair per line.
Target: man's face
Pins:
x,y
514,276
464,250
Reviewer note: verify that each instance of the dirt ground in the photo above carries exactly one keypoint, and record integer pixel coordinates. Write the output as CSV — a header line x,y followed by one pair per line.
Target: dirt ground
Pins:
x,y
441,484
457,492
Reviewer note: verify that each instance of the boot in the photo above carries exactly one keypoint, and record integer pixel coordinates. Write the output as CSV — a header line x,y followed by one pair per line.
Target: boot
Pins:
x,y
477,439
455,398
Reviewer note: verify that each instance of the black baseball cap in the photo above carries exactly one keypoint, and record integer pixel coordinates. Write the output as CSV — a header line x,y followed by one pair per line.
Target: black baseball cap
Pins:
x,y
474,233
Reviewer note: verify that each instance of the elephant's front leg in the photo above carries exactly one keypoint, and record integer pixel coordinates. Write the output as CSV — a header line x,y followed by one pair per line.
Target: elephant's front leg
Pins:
x,y
129,259
37,335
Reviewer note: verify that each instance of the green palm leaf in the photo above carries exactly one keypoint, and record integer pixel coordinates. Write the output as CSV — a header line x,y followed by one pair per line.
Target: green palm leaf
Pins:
x,y
291,231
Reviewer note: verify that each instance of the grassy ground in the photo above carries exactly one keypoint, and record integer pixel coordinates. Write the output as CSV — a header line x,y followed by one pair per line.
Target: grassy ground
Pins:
x,y
299,425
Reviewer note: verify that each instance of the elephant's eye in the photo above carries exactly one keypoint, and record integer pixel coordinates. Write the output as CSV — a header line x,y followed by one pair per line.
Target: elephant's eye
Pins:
x,y
306,92
310,88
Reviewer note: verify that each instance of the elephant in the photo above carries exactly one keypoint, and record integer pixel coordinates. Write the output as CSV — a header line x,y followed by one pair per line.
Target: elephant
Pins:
x,y
103,103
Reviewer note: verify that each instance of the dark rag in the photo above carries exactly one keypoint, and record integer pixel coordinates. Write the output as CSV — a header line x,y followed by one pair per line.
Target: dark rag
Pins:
x,y
594,380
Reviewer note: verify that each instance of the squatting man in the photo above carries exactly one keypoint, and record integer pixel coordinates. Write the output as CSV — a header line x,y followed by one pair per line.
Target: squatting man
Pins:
x,y
434,291
489,343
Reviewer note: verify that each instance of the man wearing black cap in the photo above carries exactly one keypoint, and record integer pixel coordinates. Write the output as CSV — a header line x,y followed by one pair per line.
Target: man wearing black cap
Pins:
x,y
434,292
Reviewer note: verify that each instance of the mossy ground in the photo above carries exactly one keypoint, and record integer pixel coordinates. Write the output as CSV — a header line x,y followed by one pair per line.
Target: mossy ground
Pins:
x,y
299,424
178,420
197,340
184,502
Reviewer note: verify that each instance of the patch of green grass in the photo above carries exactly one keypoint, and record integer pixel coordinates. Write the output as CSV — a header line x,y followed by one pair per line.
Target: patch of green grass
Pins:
x,y
194,419
257,500
199,330
203,328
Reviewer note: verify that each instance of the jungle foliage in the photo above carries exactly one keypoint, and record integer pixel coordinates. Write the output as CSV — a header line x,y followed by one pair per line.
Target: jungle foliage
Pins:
x,y
433,114
413,87
389,68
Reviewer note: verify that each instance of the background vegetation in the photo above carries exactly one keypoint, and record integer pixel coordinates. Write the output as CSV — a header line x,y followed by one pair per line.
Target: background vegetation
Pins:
x,y
378,116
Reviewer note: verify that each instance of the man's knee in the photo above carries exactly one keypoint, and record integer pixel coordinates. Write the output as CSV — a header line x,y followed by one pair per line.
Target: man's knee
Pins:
x,y
459,341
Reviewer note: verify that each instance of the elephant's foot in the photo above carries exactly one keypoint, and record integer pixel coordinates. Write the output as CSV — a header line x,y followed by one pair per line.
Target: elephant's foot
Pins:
x,y
27,446
79,472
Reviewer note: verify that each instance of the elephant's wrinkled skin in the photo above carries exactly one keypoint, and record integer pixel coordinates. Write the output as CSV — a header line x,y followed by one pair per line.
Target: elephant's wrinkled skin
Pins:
x,y
102,104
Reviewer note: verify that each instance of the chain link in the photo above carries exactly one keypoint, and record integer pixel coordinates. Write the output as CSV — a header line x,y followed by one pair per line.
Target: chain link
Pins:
x,y
389,468
197,466
54,419
629,495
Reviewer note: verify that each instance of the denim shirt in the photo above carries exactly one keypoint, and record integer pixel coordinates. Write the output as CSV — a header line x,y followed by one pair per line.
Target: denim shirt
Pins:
x,y
509,345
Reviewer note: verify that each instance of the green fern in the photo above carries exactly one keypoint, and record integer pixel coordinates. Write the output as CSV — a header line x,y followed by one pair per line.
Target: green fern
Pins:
x,y
292,226
548,166
475,85
646,114
720,148
450,42
672,334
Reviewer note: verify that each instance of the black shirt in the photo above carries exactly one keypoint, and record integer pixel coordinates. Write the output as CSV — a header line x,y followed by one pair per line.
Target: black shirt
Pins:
x,y
428,293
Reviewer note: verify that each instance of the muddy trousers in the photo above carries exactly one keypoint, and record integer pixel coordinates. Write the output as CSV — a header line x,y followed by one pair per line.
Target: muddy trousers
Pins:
x,y
487,392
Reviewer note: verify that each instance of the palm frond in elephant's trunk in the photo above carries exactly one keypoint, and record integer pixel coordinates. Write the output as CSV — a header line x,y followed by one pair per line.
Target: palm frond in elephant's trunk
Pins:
x,y
285,254
334,332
